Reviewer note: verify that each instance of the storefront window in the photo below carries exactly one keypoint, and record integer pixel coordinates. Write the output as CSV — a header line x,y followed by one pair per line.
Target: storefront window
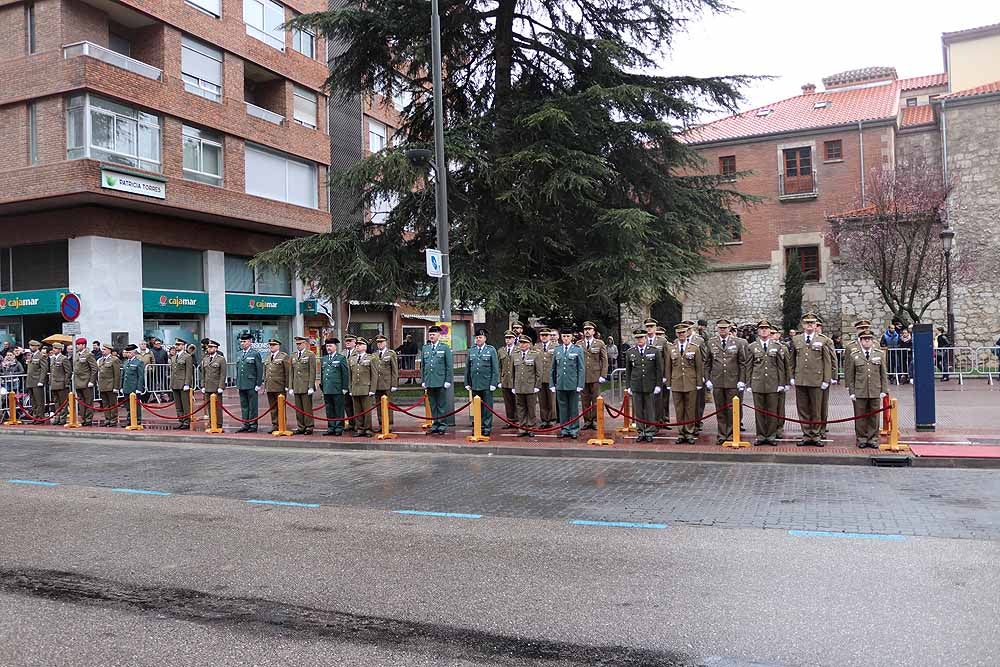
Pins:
x,y
172,268
241,277
261,330
36,266
239,274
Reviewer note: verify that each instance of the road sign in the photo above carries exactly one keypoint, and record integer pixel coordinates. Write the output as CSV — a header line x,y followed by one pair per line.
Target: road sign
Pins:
x,y
70,307
72,329
434,267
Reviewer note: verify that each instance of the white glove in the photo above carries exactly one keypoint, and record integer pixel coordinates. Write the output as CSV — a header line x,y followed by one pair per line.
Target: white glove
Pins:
x,y
447,385
668,388
257,388
3,391
536,391
740,386
499,385
792,382
602,379
552,389
698,387
187,387
882,395
579,390
343,391
371,393
911,380
289,390
834,381
493,387
424,385
310,391
781,388
824,385
656,390
788,387
468,388
628,391
393,388
41,384
708,385
220,390
853,397
203,392
90,384
664,381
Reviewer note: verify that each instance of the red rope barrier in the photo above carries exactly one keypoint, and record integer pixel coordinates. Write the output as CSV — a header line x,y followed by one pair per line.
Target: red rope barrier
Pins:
x,y
28,415
331,419
551,429
665,425
97,409
158,406
393,406
179,417
820,422
248,421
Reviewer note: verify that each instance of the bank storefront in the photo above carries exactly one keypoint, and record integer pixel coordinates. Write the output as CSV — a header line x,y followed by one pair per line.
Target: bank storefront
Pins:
x,y
259,301
172,314
31,314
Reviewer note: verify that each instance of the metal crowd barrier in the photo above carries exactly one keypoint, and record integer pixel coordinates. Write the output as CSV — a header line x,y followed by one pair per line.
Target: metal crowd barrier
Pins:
x,y
988,362
617,385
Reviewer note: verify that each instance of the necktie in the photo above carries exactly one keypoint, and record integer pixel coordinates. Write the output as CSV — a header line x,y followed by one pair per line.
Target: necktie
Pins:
x,y
765,348
867,355
524,356
809,340
565,349
588,344
682,348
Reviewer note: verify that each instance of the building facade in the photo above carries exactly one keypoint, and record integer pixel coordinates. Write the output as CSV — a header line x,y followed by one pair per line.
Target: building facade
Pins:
x,y
151,149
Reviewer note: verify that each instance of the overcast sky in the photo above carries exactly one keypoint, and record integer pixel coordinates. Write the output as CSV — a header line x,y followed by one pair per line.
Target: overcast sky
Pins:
x,y
801,41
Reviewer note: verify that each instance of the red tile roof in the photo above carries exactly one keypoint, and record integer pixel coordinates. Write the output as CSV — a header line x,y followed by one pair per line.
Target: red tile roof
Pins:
x,y
985,89
919,115
927,81
800,113
970,32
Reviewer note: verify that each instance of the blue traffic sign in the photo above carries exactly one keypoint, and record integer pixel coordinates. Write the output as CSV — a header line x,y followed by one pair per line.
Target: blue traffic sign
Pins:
x,y
70,307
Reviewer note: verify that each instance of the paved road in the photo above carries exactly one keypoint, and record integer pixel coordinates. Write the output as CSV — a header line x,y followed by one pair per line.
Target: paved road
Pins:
x,y
90,575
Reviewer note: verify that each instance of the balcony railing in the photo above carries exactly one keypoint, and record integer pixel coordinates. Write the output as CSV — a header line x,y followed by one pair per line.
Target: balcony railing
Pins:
x,y
112,58
264,114
803,186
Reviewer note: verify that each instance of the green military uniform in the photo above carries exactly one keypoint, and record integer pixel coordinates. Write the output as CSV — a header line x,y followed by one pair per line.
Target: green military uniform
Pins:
x,y
595,364
568,376
303,387
37,373
644,381
546,401
700,394
364,377
335,382
685,371
277,378
249,376
506,357
60,381
109,384
726,365
527,383
436,374
812,371
350,350
825,401
482,374
387,373
661,401
213,374
768,376
181,381
133,381
867,385
84,379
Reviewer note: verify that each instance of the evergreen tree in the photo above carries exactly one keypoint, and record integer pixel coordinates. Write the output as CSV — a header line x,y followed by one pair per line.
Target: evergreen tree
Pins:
x,y
791,298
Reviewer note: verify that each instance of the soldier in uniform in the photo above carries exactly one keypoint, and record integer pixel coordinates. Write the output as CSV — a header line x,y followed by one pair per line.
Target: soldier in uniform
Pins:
x,y
546,402
506,356
568,376
726,365
527,383
277,378
811,374
304,386
363,380
518,329
658,341
387,371
249,376
685,373
595,362
335,381
768,377
850,345
832,353
109,383
783,396
695,336
181,381
84,378
867,385
350,344
644,382
60,378
436,374
482,375
213,372
37,372
133,381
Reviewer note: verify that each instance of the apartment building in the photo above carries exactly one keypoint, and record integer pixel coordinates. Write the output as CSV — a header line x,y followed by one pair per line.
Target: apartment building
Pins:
x,y
151,147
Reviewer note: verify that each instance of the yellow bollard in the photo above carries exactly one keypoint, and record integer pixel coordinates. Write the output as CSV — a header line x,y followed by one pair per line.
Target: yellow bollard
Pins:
x,y
384,419
133,421
894,445
12,420
600,439
71,421
477,422
736,442
193,419
627,426
428,418
213,413
282,425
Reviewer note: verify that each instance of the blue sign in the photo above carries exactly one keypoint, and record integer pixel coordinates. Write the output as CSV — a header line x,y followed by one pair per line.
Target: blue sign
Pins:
x,y
70,307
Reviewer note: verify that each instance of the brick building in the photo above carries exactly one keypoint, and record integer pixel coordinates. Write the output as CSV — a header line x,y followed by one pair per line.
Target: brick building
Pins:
x,y
150,149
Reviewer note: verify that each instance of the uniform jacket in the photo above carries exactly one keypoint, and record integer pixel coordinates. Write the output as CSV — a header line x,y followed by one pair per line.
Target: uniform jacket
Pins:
x,y
568,372
811,364
277,372
249,369
387,368
595,359
303,371
213,372
133,376
643,369
37,368
685,371
147,356
527,372
336,376
545,360
768,370
832,351
482,368
506,359
662,345
436,365
84,369
363,374
726,365
868,377
109,374
60,371
182,370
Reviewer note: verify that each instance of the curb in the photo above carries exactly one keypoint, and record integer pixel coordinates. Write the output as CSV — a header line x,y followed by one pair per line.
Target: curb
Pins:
x,y
722,456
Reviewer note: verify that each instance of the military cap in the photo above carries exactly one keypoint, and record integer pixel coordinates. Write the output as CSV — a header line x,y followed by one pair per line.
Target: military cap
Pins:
x,y
723,323
862,324
379,337
34,343
301,339
273,341
180,340
810,317
639,333
81,341
57,346
661,331
246,336
648,321
482,332
523,339
681,326
332,341
433,329
361,341
703,323
350,337
763,323
109,346
866,334
212,343
508,334
819,320
565,330
131,347
589,325
516,323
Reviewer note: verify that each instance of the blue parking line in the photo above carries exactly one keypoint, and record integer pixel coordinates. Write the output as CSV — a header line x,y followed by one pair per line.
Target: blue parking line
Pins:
x,y
450,515
32,482
143,492
283,503
860,536
617,524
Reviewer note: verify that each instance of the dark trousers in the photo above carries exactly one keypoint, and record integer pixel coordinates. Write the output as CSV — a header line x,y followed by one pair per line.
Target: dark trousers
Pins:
x,y
86,395
334,410
527,410
350,409
304,403
867,429
809,401
509,404
767,426
486,396
439,406
724,396
782,399
272,405
182,406
699,406
546,405
685,405
644,407
568,405
591,390
362,403
58,398
248,407
824,409
379,393
37,402
108,399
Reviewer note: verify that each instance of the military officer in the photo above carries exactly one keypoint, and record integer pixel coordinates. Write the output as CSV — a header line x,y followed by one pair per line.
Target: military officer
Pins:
x,y
303,385
831,351
249,376
768,378
181,381
363,380
277,378
335,381
387,373
685,372
695,336
213,372
867,385
350,345
109,384
656,339
595,362
726,365
436,373
568,377
850,345
506,356
60,379
643,382
518,330
811,374
37,372
527,383
546,401
776,334
133,381
84,379
482,375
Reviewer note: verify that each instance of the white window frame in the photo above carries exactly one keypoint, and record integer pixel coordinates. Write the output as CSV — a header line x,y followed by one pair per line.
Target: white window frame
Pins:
x,y
198,86
309,96
287,158
189,132
383,137
273,38
382,206
297,37
212,7
84,104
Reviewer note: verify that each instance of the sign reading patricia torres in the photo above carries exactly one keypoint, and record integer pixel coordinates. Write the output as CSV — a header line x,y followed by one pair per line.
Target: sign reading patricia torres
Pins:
x,y
136,185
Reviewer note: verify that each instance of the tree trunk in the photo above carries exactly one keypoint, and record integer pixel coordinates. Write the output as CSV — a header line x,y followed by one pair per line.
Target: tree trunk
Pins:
x,y
497,322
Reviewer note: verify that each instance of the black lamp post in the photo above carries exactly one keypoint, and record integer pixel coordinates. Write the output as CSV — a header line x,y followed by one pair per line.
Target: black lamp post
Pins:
x,y
947,241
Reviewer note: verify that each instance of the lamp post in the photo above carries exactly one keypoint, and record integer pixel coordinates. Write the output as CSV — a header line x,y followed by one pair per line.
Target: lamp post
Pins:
x,y
947,241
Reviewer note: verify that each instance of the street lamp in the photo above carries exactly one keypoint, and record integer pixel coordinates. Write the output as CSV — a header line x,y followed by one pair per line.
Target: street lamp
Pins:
x,y
947,241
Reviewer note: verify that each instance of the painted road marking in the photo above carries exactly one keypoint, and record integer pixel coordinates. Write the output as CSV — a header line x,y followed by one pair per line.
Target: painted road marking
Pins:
x,y
450,515
617,524
32,482
284,503
143,492
861,536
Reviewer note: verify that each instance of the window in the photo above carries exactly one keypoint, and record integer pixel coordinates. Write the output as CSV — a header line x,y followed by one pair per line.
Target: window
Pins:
x,y
213,7
911,101
304,42
377,133
273,281
202,156
172,268
120,44
264,19
808,260
798,173
727,165
305,106
104,130
32,133
276,176
201,69
382,206
29,24
735,232
834,150
35,266
241,277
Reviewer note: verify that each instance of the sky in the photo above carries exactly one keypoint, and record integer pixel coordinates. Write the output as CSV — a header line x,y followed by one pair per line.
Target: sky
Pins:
x,y
805,40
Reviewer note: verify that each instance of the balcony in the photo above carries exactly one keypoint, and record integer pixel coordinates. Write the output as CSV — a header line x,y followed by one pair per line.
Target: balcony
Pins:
x,y
803,186
112,58
264,114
